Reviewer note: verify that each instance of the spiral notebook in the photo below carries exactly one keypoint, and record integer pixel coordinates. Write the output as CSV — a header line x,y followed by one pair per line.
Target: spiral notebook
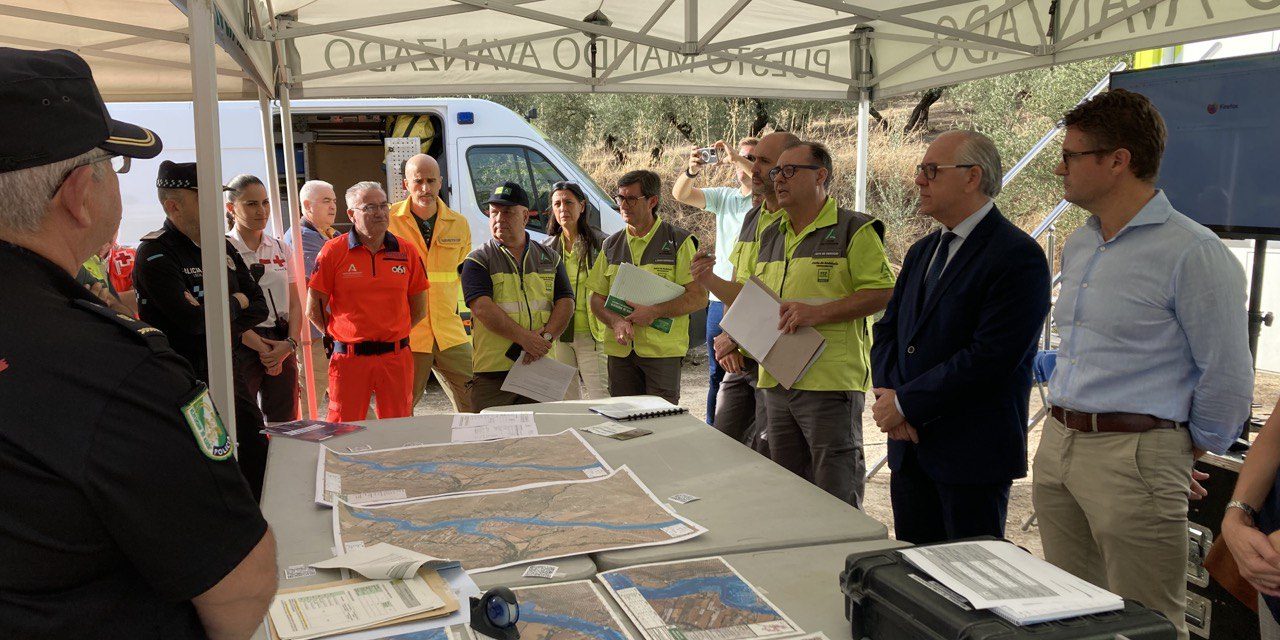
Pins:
x,y
638,409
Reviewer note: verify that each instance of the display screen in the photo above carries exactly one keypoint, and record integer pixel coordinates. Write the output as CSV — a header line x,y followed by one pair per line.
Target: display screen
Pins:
x,y
1221,163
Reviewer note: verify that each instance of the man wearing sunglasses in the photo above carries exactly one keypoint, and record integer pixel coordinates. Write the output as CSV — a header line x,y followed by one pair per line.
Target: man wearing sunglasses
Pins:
x,y
952,354
729,205
122,513
1153,368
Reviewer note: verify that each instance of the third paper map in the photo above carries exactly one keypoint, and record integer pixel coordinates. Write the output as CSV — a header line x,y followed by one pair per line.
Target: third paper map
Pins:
x,y
494,530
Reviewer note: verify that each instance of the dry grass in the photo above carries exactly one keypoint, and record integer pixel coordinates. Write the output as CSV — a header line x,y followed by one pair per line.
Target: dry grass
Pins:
x,y
891,191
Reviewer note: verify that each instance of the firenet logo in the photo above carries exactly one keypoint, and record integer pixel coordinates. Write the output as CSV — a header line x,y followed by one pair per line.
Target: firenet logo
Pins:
x,y
1215,107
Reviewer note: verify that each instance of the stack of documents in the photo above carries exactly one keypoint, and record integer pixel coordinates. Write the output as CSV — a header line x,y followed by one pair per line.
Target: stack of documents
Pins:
x,y
355,605
641,287
752,322
1023,589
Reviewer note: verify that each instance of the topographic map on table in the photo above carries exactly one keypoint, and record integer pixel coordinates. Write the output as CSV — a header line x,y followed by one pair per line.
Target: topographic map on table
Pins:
x,y
567,611
703,599
426,471
493,530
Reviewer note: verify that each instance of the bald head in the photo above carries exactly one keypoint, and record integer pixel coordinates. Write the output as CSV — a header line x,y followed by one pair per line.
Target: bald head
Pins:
x,y
767,152
422,181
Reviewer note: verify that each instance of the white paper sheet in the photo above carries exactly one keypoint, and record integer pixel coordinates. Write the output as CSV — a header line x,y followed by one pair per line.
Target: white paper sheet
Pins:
x,y
474,427
634,284
752,320
383,561
544,379
994,574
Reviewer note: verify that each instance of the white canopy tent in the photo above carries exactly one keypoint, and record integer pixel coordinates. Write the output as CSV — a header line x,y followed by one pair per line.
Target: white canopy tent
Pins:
x,y
816,49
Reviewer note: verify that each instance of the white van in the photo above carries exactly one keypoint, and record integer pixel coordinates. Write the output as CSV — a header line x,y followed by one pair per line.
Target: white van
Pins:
x,y
478,144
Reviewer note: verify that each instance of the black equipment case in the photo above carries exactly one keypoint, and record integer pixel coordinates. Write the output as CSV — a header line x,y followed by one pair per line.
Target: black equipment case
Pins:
x,y
888,599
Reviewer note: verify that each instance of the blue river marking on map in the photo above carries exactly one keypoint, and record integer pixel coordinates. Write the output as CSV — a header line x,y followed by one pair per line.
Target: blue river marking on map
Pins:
x,y
529,614
471,526
734,593
434,467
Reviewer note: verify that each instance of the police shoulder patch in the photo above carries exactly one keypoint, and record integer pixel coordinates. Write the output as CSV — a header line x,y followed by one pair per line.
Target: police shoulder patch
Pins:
x,y
206,425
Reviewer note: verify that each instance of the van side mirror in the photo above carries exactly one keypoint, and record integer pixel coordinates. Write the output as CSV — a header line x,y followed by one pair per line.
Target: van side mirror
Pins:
x,y
531,114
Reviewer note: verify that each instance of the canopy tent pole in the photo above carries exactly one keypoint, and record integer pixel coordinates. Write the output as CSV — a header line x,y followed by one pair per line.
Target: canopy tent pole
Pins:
x,y
295,231
296,262
860,192
213,226
860,50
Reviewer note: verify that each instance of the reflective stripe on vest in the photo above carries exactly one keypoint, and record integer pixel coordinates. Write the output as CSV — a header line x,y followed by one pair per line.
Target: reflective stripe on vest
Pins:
x,y
525,297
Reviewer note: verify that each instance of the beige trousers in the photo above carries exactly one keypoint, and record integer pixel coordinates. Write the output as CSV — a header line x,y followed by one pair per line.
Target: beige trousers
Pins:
x,y
319,374
1112,509
453,370
593,367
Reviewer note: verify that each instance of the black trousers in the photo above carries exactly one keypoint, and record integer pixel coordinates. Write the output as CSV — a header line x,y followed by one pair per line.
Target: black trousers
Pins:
x,y
251,446
926,511
632,375
740,408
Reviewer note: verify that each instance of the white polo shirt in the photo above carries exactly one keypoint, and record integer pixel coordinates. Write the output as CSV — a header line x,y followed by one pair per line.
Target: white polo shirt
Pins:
x,y
277,276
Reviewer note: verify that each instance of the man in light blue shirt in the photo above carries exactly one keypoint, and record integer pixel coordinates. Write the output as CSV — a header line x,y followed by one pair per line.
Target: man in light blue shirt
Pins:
x,y
319,210
1153,367
730,206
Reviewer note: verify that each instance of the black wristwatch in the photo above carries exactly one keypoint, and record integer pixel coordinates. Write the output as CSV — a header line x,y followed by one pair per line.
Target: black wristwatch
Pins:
x,y
293,343
691,175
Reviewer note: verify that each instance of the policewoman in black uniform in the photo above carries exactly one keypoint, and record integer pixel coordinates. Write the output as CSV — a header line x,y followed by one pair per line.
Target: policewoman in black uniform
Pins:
x,y
122,514
170,283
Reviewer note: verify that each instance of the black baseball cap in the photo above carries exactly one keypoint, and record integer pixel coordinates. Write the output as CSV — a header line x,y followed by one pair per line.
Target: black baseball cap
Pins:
x,y
509,194
53,111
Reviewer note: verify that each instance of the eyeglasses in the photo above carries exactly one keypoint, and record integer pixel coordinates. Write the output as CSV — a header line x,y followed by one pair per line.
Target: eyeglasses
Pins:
x,y
565,184
788,171
380,207
930,169
119,164
621,199
1068,155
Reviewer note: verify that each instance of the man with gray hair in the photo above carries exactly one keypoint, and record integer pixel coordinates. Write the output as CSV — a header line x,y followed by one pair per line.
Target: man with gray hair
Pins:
x,y
319,209
103,425
951,359
368,290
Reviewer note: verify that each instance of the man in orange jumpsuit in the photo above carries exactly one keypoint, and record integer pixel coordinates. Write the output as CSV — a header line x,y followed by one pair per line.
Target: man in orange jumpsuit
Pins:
x,y
375,289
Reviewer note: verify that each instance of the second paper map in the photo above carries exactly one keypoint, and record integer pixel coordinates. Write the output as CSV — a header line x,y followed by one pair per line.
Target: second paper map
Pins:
x,y
495,530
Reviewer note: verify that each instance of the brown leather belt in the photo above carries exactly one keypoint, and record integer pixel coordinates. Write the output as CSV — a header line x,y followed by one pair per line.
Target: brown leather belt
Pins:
x,y
1110,422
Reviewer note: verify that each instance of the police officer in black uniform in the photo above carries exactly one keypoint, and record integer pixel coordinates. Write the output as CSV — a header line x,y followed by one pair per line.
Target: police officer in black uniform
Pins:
x,y
170,284
122,514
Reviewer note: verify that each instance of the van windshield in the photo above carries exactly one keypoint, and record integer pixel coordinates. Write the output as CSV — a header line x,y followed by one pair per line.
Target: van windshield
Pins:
x,y
590,183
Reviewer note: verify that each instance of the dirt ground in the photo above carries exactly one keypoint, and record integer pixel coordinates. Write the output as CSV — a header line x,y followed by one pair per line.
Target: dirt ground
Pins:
x,y
876,502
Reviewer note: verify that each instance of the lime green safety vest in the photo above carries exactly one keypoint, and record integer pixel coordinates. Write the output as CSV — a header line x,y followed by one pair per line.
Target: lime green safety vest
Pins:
x,y
839,253
749,237
578,268
667,251
525,292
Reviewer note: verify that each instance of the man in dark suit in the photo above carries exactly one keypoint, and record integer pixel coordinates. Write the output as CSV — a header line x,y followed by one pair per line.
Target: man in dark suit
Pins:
x,y
952,356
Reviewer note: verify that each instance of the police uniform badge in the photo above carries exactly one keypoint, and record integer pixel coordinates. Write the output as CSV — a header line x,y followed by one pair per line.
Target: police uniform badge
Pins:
x,y
206,425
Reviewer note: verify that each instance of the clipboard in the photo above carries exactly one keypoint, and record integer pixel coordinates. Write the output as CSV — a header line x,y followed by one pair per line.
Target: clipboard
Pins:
x,y
792,354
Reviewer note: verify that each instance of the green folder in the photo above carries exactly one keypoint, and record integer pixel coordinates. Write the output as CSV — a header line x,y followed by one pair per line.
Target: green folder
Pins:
x,y
620,307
